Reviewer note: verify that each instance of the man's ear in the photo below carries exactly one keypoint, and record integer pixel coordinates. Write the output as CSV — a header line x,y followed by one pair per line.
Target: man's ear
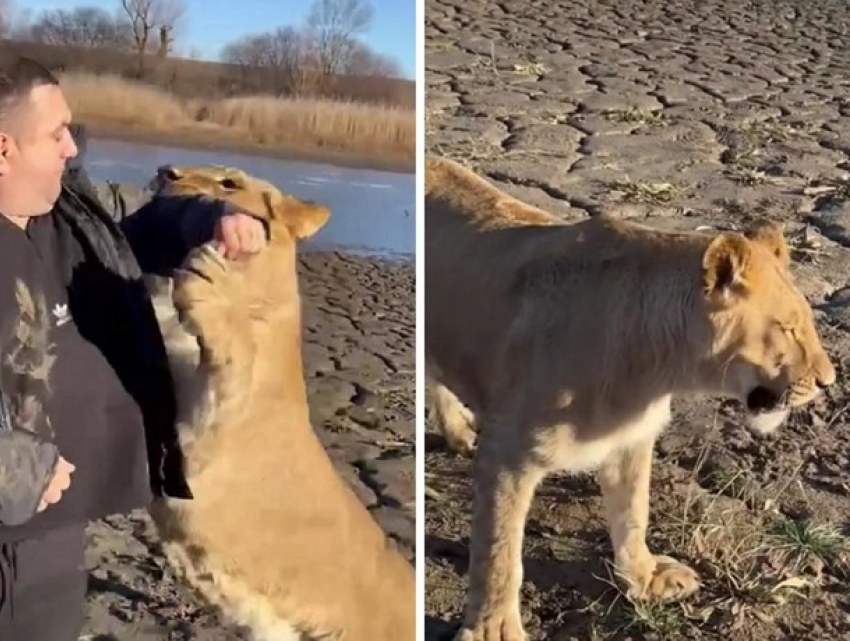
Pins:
x,y
5,148
725,267
304,219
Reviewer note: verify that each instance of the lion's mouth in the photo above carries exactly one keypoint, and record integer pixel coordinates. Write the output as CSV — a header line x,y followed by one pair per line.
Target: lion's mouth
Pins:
x,y
761,399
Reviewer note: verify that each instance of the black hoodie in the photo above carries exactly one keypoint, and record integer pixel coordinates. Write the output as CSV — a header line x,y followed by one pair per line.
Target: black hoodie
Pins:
x,y
84,371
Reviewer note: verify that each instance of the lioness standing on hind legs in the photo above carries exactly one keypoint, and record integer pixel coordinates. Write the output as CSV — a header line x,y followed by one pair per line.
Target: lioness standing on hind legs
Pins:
x,y
274,536
564,344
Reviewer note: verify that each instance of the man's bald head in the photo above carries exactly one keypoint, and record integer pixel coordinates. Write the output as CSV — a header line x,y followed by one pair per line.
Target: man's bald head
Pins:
x,y
17,80
35,144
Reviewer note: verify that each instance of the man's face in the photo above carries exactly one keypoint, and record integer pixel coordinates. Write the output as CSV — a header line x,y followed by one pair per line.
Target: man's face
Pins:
x,y
33,153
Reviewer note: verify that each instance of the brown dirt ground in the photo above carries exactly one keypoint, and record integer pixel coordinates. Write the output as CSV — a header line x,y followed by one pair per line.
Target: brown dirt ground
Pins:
x,y
359,331
681,114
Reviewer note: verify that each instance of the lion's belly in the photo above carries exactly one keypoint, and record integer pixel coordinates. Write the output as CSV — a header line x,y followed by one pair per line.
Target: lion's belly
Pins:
x,y
568,453
206,542
207,573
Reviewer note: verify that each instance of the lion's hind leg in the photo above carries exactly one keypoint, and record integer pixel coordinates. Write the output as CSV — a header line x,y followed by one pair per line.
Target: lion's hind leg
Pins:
x,y
455,420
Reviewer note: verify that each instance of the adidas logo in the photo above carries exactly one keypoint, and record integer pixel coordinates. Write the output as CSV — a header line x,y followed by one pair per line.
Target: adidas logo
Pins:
x,y
61,314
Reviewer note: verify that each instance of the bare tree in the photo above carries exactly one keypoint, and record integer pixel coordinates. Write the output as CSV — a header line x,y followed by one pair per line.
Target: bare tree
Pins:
x,y
364,61
282,55
82,27
335,25
166,41
278,48
147,17
20,26
5,17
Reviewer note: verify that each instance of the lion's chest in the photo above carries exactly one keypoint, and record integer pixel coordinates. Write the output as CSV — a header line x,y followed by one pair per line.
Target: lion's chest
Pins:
x,y
578,449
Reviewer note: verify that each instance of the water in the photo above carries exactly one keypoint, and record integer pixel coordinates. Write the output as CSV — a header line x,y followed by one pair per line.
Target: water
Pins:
x,y
372,212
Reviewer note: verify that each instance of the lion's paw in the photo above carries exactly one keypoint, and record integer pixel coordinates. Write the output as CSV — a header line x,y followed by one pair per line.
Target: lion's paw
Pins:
x,y
497,627
461,439
202,291
666,579
456,423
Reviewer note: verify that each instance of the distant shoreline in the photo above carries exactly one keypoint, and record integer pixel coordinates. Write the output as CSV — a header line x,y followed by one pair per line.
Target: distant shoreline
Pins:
x,y
224,140
357,135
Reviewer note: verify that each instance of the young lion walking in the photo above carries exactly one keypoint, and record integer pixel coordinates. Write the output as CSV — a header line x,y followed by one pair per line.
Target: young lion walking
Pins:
x,y
564,343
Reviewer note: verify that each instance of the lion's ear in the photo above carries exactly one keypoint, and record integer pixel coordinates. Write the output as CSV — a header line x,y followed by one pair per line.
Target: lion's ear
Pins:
x,y
303,219
771,235
725,264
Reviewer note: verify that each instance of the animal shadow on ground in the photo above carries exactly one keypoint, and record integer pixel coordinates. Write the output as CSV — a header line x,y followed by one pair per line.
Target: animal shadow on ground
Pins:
x,y
585,575
433,442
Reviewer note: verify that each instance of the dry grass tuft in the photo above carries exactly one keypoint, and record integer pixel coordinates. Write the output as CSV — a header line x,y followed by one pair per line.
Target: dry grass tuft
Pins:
x,y
636,115
338,125
641,191
757,564
113,99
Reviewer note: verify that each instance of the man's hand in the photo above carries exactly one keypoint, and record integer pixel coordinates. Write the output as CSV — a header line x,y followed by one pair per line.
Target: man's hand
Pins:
x,y
240,236
60,482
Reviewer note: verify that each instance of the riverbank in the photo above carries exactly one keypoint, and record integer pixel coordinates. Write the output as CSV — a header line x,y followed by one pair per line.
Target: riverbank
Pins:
x,y
344,134
220,139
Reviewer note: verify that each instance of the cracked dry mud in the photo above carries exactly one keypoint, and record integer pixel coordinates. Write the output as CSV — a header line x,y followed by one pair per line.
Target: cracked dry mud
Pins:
x,y
359,353
684,115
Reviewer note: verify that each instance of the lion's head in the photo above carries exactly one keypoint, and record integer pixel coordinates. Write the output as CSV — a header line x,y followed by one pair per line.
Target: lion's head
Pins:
x,y
763,328
284,213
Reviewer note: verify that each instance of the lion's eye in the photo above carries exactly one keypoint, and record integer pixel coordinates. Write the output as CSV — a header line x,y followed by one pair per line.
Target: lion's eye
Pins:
x,y
228,183
788,330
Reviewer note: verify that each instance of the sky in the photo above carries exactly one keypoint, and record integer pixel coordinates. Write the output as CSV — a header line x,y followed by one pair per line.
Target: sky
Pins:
x,y
210,24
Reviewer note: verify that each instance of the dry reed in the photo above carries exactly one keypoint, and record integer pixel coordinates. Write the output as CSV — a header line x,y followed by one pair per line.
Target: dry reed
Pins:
x,y
268,121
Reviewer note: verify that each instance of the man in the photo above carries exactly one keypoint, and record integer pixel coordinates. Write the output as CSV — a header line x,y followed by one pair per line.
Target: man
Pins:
x,y
87,411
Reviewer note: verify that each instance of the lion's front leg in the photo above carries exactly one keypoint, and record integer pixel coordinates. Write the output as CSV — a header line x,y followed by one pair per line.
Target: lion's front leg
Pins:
x,y
210,306
504,487
624,479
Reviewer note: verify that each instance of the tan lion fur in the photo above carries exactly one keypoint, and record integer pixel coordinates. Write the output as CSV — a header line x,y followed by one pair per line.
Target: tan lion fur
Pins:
x,y
562,344
273,535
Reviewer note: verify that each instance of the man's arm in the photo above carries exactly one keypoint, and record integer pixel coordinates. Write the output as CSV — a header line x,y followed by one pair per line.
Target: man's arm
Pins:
x,y
27,463
26,469
165,229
